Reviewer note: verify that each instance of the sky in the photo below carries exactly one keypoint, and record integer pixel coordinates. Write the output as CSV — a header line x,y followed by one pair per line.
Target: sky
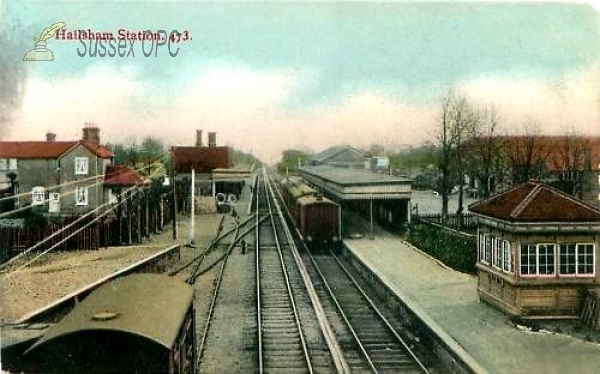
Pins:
x,y
269,76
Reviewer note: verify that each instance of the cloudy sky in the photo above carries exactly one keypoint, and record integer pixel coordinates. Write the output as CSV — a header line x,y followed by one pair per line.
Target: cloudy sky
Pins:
x,y
271,76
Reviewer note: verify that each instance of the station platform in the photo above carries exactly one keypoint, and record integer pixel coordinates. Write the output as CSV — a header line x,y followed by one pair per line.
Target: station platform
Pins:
x,y
448,302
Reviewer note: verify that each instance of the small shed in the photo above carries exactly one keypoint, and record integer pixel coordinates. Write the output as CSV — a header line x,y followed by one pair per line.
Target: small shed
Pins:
x,y
140,323
537,251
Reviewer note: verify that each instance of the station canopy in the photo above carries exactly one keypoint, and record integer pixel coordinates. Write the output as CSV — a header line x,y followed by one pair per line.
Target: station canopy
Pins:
x,y
356,184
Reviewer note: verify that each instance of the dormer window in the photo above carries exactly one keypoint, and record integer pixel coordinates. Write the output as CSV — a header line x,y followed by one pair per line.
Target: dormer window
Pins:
x,y
81,165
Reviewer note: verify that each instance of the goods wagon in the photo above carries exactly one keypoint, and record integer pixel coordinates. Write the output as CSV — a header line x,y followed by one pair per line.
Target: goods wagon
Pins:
x,y
316,217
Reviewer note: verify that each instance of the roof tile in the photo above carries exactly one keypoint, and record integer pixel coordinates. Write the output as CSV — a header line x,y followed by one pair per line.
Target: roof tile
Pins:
x,y
536,202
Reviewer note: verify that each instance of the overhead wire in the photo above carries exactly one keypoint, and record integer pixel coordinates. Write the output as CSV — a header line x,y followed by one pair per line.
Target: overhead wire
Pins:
x,y
62,240
100,181
4,265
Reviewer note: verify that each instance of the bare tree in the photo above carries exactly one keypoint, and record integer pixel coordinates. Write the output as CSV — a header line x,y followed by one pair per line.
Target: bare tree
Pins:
x,y
571,162
525,155
463,125
445,180
485,156
456,128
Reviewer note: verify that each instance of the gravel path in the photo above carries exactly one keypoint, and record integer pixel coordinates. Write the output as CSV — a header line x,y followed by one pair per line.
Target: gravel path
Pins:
x,y
61,273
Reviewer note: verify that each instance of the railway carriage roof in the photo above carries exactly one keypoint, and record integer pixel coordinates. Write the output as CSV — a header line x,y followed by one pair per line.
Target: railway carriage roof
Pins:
x,y
296,188
312,200
148,305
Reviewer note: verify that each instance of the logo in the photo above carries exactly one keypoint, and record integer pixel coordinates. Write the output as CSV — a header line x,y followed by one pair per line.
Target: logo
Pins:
x,y
40,52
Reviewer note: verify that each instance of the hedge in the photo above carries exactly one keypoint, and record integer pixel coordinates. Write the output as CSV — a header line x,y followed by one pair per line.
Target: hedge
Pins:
x,y
457,252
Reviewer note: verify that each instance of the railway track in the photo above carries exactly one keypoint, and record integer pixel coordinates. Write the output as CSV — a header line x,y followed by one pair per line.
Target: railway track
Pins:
x,y
369,342
282,346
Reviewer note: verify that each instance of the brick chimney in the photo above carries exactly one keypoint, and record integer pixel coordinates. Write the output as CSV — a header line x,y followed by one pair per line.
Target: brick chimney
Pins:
x,y
50,136
198,138
91,133
212,139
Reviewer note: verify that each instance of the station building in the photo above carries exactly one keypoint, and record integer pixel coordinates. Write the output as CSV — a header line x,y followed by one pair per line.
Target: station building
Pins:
x,y
537,251
213,177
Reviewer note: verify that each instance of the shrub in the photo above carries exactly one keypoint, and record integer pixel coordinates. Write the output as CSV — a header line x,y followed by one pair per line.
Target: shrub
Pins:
x,y
457,252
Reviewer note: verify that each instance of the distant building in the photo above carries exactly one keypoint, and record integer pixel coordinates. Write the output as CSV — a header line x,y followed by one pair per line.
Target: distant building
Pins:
x,y
380,164
58,176
342,156
570,163
214,178
537,250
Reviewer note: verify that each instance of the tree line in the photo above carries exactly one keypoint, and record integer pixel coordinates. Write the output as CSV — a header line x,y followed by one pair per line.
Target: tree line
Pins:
x,y
469,142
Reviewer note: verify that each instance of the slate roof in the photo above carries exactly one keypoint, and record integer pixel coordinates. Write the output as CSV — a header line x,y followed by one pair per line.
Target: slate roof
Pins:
x,y
332,152
46,149
201,159
148,305
121,175
536,202
350,176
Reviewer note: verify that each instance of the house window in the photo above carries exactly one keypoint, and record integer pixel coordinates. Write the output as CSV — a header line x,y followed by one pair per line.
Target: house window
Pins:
x,y
12,164
81,165
3,164
528,257
585,259
38,195
545,259
81,196
54,203
567,259
506,256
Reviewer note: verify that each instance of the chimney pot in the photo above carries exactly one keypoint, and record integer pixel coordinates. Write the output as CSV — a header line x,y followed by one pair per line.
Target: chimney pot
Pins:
x,y
50,137
212,139
198,138
91,133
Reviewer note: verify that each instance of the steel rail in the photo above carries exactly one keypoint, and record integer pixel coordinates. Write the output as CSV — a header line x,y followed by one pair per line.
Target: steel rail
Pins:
x,y
337,354
269,192
213,302
341,312
258,295
379,314
206,252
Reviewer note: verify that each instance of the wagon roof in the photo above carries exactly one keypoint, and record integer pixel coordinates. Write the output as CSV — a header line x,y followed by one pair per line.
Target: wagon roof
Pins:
x,y
148,305
310,200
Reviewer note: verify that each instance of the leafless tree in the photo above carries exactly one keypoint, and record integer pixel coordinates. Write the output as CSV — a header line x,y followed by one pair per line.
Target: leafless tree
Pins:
x,y
445,180
485,152
464,122
456,128
525,155
571,162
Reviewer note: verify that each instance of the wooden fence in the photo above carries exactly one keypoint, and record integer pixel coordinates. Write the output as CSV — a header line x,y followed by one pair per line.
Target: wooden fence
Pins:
x,y
141,216
464,222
